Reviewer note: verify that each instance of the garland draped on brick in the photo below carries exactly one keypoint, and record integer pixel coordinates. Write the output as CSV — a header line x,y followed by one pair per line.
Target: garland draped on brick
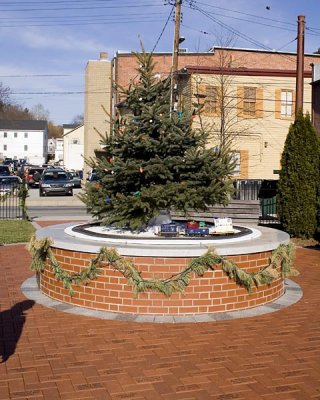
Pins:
x,y
282,259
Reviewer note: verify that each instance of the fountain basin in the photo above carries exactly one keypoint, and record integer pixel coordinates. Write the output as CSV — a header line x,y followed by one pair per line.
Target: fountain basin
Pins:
x,y
214,292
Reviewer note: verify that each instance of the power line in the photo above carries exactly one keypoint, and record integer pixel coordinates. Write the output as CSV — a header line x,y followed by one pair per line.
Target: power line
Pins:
x,y
83,8
6,3
251,21
81,23
163,29
212,34
253,15
34,17
237,33
34,76
108,92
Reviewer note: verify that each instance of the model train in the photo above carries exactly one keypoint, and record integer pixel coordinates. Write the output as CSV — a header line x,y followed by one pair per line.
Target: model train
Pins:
x,y
196,229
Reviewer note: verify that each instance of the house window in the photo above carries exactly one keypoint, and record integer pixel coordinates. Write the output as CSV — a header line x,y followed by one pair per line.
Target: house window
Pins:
x,y
236,159
286,103
26,134
25,147
249,101
5,147
5,134
211,101
15,134
75,141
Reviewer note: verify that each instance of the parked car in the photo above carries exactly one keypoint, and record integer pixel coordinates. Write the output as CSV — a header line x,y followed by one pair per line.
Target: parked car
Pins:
x,y
55,182
4,170
74,177
93,176
34,175
9,184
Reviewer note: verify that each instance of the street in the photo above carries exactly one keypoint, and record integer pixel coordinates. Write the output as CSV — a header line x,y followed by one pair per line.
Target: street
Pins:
x,y
57,207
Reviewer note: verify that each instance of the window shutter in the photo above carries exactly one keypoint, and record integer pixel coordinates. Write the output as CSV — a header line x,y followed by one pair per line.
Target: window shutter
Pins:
x,y
259,102
240,94
278,103
201,93
211,101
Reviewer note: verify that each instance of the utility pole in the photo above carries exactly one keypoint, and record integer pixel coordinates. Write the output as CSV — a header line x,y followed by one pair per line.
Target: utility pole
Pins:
x,y
300,64
175,52
176,36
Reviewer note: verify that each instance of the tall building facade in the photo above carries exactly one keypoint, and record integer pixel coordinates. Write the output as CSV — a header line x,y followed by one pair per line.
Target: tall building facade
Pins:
x,y
98,100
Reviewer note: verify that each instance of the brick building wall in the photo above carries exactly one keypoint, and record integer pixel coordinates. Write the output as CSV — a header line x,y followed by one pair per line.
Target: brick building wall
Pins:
x,y
125,64
260,151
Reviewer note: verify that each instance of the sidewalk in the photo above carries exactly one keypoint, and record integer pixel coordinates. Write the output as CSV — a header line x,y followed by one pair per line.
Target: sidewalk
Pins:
x,y
54,201
63,356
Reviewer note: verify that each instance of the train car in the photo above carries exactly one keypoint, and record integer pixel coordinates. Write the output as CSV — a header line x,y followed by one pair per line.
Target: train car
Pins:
x,y
169,230
197,232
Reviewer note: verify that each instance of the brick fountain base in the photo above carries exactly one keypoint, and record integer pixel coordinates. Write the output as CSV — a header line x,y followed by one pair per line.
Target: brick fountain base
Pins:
x,y
214,292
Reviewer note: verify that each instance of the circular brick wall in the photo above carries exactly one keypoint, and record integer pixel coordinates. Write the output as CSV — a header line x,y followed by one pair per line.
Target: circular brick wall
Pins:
x,y
213,292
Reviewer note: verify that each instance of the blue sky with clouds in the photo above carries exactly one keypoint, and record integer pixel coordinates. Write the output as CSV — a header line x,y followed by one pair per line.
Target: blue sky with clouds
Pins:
x,y
45,45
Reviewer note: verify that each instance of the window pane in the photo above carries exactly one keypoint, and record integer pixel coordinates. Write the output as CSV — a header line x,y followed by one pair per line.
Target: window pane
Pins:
x,y
211,99
236,158
250,93
286,103
249,101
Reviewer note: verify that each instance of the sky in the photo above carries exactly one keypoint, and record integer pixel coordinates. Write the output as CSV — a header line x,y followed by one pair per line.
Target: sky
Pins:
x,y
45,45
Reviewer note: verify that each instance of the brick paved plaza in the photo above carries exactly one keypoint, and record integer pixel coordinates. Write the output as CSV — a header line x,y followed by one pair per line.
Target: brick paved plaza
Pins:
x,y
55,355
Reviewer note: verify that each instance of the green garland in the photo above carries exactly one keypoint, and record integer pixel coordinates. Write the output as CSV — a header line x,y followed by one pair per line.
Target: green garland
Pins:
x,y
282,257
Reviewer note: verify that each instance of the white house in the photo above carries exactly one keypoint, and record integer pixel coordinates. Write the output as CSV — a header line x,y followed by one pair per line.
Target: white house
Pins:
x,y
24,139
73,146
58,154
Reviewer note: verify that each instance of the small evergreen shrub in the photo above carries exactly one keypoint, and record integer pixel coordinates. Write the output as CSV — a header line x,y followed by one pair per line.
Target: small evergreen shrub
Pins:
x,y
299,181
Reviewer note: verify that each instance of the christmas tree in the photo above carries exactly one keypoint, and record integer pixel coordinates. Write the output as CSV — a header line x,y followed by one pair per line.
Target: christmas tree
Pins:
x,y
154,160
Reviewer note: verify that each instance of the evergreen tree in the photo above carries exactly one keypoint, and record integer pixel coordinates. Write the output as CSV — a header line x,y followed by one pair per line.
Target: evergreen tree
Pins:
x,y
154,160
299,182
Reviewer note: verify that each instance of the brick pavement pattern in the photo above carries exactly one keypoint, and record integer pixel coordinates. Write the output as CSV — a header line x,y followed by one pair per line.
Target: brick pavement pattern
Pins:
x,y
63,356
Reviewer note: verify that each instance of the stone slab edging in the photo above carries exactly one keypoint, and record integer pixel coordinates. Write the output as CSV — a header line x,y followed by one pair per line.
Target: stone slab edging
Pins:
x,y
269,240
293,293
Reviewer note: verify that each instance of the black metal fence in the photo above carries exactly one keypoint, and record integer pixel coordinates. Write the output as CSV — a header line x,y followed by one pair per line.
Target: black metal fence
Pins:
x,y
10,205
247,189
263,190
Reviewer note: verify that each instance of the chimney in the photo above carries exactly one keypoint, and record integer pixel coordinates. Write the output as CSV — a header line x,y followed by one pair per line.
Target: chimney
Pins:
x,y
103,55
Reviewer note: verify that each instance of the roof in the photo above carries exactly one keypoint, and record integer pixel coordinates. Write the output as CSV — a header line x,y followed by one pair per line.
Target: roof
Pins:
x,y
244,71
259,51
23,125
70,126
212,50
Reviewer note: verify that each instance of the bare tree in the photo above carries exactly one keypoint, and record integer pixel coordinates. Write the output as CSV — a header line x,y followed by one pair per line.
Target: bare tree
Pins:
x,y
39,112
218,101
78,119
4,96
